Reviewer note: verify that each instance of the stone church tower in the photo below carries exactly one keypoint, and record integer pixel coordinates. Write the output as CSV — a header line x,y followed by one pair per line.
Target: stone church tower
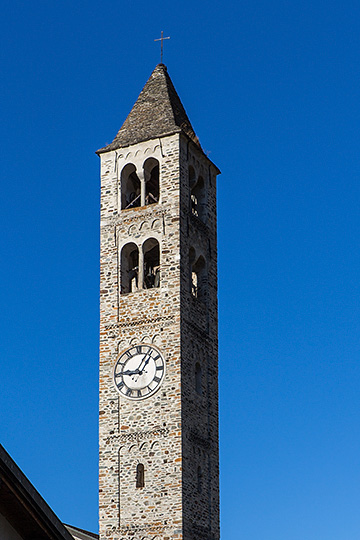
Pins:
x,y
159,459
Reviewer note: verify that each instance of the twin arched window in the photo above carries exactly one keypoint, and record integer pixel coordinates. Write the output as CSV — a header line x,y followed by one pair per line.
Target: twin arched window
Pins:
x,y
139,188
140,269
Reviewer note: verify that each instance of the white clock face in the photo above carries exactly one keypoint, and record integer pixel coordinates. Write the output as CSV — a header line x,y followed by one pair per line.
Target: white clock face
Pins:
x,y
139,372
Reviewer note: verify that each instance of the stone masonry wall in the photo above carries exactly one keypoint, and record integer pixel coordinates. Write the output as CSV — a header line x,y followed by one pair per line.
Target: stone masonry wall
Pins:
x,y
199,324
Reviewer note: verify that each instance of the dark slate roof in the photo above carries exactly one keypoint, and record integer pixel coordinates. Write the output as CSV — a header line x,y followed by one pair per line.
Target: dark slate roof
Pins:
x,y
158,111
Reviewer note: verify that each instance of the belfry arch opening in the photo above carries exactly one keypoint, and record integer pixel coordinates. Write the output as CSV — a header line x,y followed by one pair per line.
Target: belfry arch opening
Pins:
x,y
130,187
129,268
198,199
193,276
198,276
192,177
151,251
151,173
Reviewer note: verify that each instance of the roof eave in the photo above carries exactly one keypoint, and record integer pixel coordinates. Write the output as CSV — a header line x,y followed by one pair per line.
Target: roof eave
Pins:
x,y
114,146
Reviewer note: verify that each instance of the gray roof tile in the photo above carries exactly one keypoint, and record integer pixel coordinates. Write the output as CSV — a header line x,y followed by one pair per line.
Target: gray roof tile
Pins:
x,y
157,112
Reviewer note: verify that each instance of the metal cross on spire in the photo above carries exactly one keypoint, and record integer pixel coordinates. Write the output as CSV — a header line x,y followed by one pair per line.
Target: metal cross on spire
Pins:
x,y
162,44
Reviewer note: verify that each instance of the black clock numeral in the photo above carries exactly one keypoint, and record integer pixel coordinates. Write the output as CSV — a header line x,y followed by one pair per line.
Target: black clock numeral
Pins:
x,y
118,374
156,357
120,384
128,354
128,392
160,368
157,379
138,349
139,393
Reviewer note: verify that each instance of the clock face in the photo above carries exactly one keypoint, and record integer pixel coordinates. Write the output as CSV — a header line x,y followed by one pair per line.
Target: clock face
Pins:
x,y
139,372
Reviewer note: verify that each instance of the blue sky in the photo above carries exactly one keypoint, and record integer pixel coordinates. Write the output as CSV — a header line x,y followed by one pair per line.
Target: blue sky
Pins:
x,y
272,91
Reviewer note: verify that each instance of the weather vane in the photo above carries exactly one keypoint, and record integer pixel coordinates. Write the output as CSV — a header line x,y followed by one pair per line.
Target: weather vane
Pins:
x,y
162,44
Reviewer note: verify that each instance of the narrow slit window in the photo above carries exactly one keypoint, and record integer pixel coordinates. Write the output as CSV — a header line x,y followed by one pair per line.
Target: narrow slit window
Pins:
x,y
198,377
199,480
140,476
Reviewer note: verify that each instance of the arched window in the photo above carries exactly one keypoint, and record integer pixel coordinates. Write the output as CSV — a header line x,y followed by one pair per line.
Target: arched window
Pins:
x,y
151,172
192,177
140,475
198,199
199,480
130,187
151,252
198,377
129,268
198,276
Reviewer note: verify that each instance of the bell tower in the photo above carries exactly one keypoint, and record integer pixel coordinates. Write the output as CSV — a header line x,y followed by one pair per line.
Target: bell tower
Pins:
x,y
158,426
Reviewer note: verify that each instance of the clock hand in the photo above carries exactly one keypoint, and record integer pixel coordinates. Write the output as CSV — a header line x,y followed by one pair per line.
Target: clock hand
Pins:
x,y
146,361
145,364
140,370
137,371
131,372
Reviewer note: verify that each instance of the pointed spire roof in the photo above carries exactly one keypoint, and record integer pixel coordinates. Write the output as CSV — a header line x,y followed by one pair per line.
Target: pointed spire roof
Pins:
x,y
158,111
